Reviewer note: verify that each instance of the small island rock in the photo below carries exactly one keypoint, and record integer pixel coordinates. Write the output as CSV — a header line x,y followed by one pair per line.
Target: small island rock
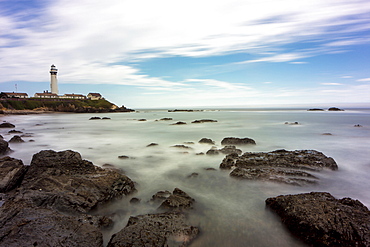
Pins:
x,y
237,141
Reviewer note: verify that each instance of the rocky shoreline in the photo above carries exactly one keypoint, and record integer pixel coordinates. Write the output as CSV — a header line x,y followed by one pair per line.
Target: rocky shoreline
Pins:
x,y
51,202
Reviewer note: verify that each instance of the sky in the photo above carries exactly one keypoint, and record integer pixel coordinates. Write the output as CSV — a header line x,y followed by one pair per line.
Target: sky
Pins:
x,y
193,53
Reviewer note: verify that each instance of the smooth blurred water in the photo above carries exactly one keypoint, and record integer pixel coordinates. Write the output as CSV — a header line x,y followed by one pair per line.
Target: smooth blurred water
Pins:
x,y
229,212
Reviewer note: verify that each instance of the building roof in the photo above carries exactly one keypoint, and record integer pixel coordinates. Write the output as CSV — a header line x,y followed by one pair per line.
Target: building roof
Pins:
x,y
95,94
74,95
15,94
47,94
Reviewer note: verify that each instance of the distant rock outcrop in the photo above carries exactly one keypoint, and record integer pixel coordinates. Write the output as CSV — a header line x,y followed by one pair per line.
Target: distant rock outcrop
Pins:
x,y
237,141
290,167
319,219
7,125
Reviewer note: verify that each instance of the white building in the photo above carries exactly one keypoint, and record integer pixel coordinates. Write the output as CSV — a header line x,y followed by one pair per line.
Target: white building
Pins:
x,y
53,80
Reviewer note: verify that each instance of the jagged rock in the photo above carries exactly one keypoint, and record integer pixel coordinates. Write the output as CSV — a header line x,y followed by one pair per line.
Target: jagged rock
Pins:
x,y
161,195
204,121
7,125
212,152
155,230
319,219
291,167
65,182
16,139
178,123
4,147
237,141
178,200
95,118
11,173
24,225
207,141
14,131
230,149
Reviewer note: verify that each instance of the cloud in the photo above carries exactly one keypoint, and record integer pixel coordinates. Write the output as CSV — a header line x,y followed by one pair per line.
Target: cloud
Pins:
x,y
346,76
331,84
364,79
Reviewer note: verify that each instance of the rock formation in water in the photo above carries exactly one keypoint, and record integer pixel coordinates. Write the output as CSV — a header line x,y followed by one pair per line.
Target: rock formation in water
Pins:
x,y
290,167
4,147
50,205
319,219
237,141
7,125
204,121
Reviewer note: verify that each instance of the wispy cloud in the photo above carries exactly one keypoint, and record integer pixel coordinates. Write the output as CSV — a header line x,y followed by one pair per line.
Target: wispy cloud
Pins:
x,y
331,84
364,79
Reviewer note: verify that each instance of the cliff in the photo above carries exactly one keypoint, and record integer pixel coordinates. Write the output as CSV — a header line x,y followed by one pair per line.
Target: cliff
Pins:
x,y
57,105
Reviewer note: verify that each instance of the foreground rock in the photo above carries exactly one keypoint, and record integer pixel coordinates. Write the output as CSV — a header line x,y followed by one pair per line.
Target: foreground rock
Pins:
x,y
16,139
66,182
4,147
290,167
12,172
177,201
164,229
237,141
321,220
7,125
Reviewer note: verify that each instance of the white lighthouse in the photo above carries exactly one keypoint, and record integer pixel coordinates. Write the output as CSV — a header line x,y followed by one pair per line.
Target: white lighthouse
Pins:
x,y
53,79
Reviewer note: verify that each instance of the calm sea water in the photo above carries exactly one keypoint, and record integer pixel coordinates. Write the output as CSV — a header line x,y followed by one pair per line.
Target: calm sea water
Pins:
x,y
229,212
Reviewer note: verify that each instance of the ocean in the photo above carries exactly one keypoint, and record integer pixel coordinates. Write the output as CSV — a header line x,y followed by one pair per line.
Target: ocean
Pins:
x,y
228,211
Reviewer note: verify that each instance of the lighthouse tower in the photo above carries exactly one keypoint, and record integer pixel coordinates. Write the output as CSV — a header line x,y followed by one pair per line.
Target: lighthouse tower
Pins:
x,y
53,79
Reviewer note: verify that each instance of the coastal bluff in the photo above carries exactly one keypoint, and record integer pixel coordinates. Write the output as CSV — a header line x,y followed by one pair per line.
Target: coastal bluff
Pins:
x,y
34,105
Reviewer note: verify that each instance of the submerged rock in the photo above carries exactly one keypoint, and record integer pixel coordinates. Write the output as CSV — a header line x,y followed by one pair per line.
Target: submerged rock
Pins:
x,y
16,139
319,219
11,173
179,123
95,118
290,167
237,141
181,146
335,109
155,230
230,149
204,121
152,144
7,125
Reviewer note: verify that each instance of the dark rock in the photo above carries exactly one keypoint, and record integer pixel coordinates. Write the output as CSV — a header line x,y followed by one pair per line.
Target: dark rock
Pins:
x,y
188,142
11,173
95,118
166,119
193,175
152,144
22,225
207,141
230,149
123,157
1,137
201,153
155,230
106,118
319,219
237,141
357,125
65,182
16,139
204,121
327,134
182,146
7,125
4,147
335,109
210,169
315,109
161,195
212,152
14,131
178,201
142,120
179,123
135,200
290,167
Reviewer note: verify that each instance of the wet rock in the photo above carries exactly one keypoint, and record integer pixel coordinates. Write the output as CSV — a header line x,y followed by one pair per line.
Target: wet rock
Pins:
x,y
357,125
166,119
201,153
178,201
123,157
319,219
230,149
142,120
1,137
315,109
210,169
12,172
106,118
161,195
152,144
95,118
7,125
207,141
335,109
193,175
14,131
155,230
237,141
293,123
65,182
204,121
179,123
212,152
182,146
135,200
24,225
4,147
290,167
327,134
16,139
